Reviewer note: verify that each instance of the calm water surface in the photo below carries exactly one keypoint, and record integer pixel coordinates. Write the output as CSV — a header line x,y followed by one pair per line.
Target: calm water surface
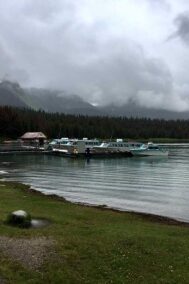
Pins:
x,y
153,185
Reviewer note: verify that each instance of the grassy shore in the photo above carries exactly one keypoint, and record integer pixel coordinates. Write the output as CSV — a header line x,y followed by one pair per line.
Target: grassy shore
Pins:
x,y
89,245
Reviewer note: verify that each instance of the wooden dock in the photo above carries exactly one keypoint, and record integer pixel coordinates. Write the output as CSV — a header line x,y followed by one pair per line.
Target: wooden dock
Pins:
x,y
9,149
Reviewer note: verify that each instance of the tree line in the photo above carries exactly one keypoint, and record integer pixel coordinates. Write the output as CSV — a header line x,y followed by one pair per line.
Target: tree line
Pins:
x,y
14,122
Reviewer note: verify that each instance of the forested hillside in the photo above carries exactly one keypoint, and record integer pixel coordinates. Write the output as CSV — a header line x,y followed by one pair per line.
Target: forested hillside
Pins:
x,y
14,122
53,101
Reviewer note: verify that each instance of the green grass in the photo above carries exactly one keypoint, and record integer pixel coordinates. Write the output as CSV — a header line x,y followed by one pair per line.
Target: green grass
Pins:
x,y
94,245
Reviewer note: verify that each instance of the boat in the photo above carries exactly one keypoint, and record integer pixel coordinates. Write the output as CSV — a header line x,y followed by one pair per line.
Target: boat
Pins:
x,y
93,146
65,143
118,146
149,149
73,146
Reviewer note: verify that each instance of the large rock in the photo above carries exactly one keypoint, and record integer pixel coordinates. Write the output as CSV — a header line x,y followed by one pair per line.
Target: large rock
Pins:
x,y
19,218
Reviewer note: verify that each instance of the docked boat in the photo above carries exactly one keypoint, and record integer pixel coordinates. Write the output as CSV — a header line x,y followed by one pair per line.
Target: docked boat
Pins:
x,y
149,149
65,143
118,146
73,146
93,147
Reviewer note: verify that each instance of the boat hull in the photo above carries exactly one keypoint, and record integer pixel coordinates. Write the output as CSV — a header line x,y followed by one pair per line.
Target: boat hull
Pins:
x,y
143,153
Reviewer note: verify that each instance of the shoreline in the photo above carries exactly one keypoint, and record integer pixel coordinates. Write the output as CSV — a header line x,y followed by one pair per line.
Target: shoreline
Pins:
x,y
87,244
154,218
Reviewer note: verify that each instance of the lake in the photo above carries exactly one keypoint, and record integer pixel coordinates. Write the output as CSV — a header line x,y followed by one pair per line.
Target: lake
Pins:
x,y
152,185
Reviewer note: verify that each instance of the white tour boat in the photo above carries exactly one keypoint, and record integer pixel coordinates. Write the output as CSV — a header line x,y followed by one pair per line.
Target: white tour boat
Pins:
x,y
116,146
149,149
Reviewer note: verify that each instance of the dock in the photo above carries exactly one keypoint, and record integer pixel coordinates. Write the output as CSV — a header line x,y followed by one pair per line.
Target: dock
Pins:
x,y
9,149
89,155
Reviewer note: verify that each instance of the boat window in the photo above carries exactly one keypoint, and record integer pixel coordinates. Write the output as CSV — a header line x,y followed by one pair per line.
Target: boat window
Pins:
x,y
153,147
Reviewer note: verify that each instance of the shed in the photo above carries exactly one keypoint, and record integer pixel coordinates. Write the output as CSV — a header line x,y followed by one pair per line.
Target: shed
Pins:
x,y
34,137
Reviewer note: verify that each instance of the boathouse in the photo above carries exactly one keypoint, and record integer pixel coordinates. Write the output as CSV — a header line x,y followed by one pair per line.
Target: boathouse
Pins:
x,y
34,138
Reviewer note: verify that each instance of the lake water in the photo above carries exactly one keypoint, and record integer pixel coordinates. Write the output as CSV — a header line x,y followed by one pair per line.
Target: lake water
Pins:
x,y
153,185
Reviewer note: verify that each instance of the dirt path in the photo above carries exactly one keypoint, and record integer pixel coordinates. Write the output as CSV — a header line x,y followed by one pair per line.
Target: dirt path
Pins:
x,y
31,253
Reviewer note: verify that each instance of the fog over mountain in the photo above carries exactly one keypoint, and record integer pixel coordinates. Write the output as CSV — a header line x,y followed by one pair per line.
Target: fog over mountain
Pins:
x,y
12,94
106,52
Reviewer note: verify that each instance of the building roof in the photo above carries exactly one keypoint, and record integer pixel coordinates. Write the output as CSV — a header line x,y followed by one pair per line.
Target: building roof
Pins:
x,y
33,135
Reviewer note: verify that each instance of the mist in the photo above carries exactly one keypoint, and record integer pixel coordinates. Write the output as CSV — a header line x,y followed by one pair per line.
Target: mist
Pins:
x,y
107,52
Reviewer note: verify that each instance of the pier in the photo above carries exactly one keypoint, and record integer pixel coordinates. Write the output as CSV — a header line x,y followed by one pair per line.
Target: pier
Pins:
x,y
11,148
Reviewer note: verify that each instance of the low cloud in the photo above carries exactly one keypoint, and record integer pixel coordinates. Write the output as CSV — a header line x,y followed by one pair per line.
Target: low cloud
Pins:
x,y
182,27
104,52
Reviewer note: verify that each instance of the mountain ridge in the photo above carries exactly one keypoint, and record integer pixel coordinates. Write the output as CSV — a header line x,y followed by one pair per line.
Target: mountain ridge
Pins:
x,y
12,94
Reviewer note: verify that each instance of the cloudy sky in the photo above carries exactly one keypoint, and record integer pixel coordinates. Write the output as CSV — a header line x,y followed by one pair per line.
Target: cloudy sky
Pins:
x,y
106,51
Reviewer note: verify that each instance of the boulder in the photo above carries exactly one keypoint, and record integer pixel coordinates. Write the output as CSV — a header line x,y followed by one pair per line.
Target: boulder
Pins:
x,y
19,218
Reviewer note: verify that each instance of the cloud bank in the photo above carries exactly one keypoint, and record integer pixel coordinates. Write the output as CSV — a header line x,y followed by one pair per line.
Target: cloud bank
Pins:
x,y
105,51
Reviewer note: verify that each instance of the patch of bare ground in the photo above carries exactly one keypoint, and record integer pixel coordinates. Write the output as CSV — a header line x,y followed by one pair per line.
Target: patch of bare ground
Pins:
x,y
2,281
31,253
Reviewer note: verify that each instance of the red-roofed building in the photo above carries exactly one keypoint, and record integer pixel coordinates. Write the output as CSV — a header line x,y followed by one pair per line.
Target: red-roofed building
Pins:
x,y
34,138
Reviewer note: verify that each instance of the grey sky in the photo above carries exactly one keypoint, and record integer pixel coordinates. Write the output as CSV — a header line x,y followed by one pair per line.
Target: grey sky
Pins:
x,y
105,51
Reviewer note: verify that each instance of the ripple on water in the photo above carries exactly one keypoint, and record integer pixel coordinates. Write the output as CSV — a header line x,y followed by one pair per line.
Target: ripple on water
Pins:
x,y
158,186
3,172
